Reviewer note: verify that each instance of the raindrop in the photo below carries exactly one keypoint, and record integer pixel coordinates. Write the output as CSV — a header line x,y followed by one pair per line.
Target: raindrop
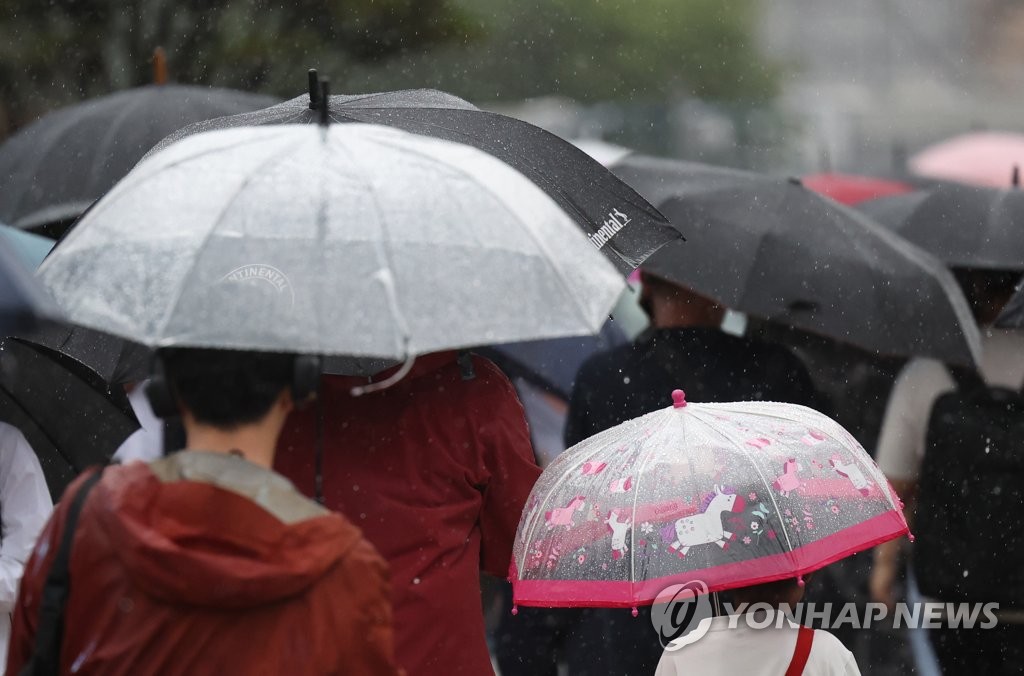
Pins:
x,y
965,573
625,380
415,580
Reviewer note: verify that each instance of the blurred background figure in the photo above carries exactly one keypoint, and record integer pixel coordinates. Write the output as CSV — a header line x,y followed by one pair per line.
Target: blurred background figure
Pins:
x,y
25,506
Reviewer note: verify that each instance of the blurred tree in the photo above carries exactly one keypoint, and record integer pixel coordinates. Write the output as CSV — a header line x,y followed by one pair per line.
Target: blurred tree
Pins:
x,y
57,51
593,50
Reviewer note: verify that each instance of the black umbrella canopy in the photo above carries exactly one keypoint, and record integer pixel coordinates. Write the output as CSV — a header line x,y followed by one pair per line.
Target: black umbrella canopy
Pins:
x,y
774,249
963,226
66,412
112,359
620,222
52,170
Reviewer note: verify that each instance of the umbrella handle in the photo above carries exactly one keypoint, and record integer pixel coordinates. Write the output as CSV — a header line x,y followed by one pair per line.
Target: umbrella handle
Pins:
x,y
360,390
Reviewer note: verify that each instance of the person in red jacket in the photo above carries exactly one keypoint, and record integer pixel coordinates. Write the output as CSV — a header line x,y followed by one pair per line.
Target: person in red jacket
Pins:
x,y
206,561
435,470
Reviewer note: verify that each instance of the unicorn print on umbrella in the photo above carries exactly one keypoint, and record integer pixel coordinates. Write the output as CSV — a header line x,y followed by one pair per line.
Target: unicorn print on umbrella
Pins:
x,y
706,527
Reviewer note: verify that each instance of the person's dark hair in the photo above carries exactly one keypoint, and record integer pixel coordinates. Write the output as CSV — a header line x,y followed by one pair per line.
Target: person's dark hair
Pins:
x,y
987,291
226,388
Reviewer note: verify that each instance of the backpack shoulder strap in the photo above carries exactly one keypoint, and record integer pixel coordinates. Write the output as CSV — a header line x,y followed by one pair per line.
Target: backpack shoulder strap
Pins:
x,y
804,640
967,379
49,633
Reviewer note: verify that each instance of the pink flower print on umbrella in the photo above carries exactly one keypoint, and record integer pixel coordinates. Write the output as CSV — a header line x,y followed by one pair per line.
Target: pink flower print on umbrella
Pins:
x,y
788,481
694,453
620,529
706,527
620,485
593,467
851,471
563,515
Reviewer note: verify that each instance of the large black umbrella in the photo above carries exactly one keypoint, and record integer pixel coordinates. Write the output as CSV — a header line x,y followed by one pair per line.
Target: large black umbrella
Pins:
x,y
113,359
66,412
618,220
964,226
774,249
52,170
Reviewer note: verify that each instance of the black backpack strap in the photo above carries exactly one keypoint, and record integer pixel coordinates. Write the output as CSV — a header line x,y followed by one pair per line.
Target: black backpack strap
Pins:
x,y
50,631
967,380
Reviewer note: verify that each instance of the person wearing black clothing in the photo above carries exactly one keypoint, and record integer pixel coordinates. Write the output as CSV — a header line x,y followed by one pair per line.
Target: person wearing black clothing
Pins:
x,y
683,349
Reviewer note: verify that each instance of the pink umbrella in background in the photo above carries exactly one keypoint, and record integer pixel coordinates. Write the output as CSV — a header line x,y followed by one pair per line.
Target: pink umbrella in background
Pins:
x,y
980,158
727,494
851,189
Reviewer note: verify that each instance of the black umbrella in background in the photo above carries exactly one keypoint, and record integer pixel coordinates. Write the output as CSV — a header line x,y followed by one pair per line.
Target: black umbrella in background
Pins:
x,y
53,169
24,304
963,226
776,250
66,412
1012,316
620,222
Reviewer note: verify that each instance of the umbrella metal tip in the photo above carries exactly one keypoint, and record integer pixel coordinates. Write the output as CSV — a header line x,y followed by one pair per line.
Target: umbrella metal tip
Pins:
x,y
678,398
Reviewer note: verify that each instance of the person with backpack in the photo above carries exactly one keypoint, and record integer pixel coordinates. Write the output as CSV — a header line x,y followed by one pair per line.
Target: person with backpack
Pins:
x,y
205,561
952,445
733,646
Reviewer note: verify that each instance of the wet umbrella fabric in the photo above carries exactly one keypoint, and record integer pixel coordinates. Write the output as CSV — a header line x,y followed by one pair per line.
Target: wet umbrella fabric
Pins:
x,y
66,412
347,239
964,226
776,250
851,189
30,248
52,170
727,494
620,222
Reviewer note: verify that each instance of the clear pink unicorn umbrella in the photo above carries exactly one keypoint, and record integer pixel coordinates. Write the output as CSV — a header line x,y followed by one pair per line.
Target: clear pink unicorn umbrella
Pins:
x,y
726,494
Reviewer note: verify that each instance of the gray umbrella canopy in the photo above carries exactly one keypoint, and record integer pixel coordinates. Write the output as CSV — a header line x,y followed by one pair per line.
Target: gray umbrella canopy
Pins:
x,y
1012,316
774,249
349,239
53,169
964,226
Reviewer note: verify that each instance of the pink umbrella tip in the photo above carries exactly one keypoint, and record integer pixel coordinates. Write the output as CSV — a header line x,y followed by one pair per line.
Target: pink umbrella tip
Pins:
x,y
515,610
910,536
678,398
635,611
800,580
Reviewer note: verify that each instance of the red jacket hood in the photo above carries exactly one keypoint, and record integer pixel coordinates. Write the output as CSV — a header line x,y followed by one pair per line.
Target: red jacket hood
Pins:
x,y
214,530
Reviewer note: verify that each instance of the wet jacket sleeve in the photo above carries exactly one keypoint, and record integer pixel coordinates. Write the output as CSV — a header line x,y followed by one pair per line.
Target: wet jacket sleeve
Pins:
x,y
510,466
25,506
373,653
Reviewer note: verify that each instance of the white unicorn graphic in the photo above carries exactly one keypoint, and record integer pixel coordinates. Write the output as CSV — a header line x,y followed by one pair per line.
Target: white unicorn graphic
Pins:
x,y
852,472
620,529
706,527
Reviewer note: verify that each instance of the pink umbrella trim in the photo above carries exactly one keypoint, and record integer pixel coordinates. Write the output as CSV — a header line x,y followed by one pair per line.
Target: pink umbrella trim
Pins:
x,y
626,594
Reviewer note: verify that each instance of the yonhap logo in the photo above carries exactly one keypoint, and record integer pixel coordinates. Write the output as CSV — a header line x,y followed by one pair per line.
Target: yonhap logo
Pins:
x,y
682,614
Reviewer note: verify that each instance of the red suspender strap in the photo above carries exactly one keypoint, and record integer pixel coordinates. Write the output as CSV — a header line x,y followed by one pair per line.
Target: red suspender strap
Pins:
x,y
804,639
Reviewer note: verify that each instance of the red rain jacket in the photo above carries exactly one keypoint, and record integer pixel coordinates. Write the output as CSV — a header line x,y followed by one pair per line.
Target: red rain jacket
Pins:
x,y
173,576
435,470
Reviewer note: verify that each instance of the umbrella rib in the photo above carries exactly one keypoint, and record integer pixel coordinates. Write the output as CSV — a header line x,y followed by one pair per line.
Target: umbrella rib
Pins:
x,y
740,445
636,497
172,306
499,198
382,247
45,433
